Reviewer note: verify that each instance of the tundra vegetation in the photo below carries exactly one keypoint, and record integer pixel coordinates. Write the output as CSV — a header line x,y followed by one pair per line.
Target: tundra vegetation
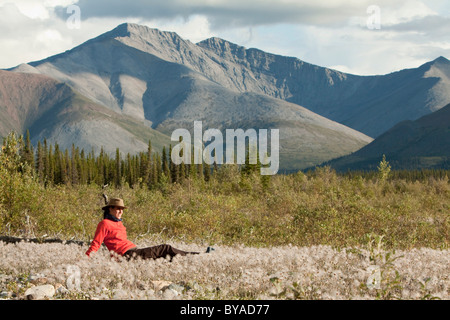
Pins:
x,y
307,235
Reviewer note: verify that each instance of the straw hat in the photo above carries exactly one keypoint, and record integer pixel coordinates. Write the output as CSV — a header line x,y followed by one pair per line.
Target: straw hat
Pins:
x,y
115,202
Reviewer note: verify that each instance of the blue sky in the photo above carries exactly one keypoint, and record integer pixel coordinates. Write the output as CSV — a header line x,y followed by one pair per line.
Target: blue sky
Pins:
x,y
355,36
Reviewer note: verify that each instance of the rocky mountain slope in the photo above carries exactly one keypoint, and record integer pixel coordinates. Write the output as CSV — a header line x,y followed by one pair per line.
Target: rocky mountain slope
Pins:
x,y
423,143
165,82
54,111
369,104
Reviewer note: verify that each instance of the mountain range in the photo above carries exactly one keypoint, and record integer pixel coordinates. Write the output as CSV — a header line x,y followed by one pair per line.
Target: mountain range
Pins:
x,y
423,143
135,83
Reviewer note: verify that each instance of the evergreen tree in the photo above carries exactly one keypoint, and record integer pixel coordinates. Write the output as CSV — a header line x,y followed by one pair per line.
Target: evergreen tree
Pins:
x,y
157,168
46,162
192,168
82,167
102,167
74,165
117,171
206,171
67,173
148,165
249,167
27,152
40,162
129,170
200,171
173,168
165,164
58,166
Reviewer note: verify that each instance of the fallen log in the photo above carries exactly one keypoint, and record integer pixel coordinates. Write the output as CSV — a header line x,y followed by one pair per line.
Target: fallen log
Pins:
x,y
9,239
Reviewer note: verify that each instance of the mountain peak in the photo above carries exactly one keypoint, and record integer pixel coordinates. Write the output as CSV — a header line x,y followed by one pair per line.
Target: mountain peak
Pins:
x,y
436,64
220,45
218,41
133,30
441,59
122,30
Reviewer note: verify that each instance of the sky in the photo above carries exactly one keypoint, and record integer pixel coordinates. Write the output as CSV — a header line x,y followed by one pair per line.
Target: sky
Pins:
x,y
363,37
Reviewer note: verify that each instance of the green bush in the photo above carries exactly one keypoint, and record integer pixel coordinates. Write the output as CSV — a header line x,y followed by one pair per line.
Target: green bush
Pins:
x,y
319,207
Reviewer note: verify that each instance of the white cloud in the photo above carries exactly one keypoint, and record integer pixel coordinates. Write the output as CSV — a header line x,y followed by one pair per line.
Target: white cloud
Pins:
x,y
29,34
196,28
323,32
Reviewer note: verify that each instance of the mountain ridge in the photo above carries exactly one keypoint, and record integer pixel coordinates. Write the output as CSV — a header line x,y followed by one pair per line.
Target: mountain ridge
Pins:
x,y
422,143
343,94
51,110
340,99
164,82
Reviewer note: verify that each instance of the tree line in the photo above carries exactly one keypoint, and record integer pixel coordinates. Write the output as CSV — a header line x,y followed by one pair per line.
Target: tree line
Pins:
x,y
52,165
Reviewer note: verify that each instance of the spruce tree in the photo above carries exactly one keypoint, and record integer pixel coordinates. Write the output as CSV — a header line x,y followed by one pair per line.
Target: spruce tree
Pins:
x,y
165,164
68,167
40,162
148,165
206,171
51,166
158,168
192,168
58,171
200,172
117,169
28,153
46,162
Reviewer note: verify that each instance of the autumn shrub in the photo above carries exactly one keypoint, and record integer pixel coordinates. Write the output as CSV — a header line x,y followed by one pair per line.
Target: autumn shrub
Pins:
x,y
19,190
314,235
320,207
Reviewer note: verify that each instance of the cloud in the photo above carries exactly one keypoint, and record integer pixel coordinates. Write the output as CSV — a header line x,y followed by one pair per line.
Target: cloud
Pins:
x,y
323,32
432,25
22,36
230,13
31,31
237,13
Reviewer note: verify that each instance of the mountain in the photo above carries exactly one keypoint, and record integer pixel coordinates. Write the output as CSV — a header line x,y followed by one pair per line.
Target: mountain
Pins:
x,y
52,110
160,82
164,82
369,104
423,143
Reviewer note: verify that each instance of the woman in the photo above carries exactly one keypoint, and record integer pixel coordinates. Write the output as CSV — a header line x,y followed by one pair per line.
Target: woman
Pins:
x,y
113,233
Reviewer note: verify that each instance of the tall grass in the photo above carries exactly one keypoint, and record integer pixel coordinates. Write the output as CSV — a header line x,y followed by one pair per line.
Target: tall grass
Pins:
x,y
230,272
299,236
317,209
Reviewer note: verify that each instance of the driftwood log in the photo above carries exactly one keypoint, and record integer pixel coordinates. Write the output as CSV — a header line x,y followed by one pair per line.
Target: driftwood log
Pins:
x,y
9,239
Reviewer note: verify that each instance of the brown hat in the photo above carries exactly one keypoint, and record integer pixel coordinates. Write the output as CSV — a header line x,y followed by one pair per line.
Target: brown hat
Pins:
x,y
115,202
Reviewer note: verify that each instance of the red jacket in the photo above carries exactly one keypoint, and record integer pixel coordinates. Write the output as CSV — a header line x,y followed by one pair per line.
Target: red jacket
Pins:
x,y
114,235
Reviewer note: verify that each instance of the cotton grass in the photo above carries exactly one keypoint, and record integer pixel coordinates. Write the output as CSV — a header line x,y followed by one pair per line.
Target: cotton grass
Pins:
x,y
230,272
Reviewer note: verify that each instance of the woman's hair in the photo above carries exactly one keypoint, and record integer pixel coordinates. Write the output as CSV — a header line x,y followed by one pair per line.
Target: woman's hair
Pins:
x,y
105,212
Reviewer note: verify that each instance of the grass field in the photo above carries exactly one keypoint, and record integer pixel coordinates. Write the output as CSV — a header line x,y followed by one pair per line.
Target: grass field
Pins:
x,y
230,272
304,237
320,209
319,235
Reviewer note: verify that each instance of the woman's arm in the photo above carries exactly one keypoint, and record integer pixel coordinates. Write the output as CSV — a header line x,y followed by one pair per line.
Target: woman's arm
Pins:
x,y
99,236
